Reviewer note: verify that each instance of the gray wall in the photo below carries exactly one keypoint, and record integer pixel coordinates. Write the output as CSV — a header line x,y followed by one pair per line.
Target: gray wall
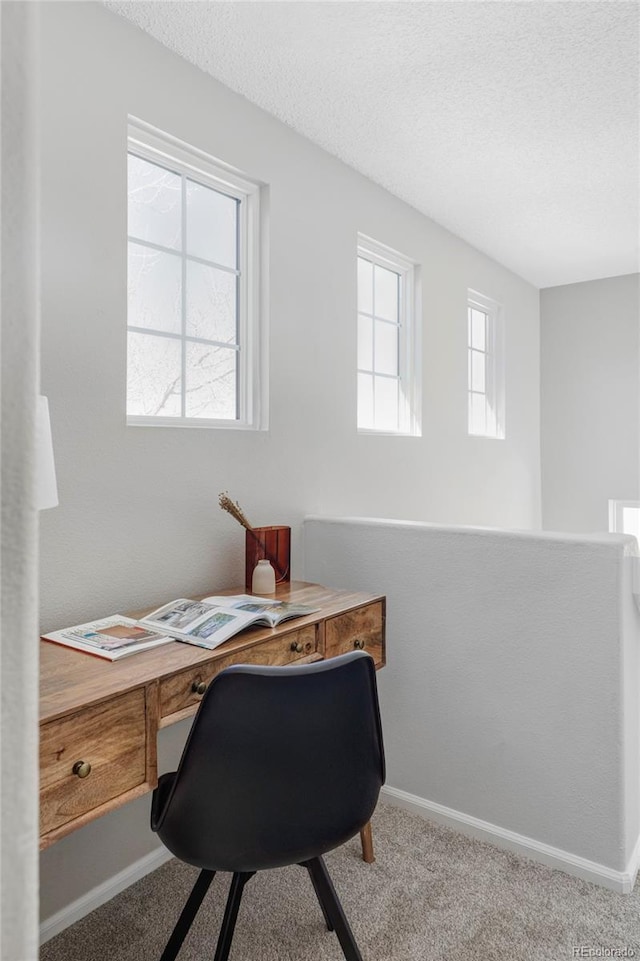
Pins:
x,y
512,681
138,521
590,401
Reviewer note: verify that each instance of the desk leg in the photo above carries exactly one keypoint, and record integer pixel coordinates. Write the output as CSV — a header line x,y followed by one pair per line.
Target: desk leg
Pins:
x,y
366,839
152,717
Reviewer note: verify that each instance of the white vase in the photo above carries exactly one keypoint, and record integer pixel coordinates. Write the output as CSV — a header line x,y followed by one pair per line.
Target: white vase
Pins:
x,y
264,578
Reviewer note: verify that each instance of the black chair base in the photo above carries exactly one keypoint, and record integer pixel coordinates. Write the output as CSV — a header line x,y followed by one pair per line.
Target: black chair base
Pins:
x,y
325,892
187,915
331,908
230,915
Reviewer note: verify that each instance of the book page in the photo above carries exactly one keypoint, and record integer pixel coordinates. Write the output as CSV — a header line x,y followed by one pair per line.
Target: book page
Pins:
x,y
219,625
244,602
200,622
267,608
181,615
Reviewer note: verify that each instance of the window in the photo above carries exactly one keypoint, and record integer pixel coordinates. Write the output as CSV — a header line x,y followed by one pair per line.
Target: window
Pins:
x,y
193,336
624,518
387,355
486,367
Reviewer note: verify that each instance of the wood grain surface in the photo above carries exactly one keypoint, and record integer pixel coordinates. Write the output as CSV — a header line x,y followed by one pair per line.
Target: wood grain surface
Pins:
x,y
359,629
111,737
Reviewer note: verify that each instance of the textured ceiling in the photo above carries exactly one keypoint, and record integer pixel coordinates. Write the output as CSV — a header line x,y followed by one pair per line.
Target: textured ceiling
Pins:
x,y
513,124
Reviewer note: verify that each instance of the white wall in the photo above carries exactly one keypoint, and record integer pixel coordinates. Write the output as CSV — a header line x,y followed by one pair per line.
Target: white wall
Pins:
x,y
138,520
18,517
590,395
510,697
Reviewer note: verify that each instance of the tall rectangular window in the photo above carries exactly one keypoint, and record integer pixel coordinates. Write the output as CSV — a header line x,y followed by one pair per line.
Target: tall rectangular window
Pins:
x,y
388,399
193,334
485,367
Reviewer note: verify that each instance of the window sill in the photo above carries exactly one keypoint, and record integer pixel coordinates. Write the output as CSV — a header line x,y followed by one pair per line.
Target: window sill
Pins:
x,y
388,433
191,422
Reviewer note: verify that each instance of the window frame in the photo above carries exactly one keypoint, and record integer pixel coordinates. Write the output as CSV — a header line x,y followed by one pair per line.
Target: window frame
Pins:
x,y
409,412
148,143
495,370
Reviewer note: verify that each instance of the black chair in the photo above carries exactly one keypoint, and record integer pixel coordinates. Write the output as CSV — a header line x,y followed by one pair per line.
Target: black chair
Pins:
x,y
282,764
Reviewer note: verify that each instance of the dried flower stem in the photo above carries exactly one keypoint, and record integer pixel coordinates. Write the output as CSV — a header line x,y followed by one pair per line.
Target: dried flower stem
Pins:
x,y
233,508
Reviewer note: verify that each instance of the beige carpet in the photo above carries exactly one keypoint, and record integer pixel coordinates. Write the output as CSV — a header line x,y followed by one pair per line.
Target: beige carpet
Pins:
x,y
432,895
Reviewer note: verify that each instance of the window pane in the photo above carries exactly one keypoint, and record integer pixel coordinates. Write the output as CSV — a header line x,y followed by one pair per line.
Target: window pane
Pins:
x,y
154,285
478,329
478,371
365,285
153,376
155,202
386,403
211,225
386,294
365,401
211,303
365,343
477,414
211,382
491,427
631,521
386,340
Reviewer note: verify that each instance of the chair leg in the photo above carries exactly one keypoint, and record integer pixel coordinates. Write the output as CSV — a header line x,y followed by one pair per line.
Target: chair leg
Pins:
x,y
189,912
366,840
332,908
328,921
230,914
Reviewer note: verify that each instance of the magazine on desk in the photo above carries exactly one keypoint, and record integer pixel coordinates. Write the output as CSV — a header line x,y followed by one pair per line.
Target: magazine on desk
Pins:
x,y
110,637
213,620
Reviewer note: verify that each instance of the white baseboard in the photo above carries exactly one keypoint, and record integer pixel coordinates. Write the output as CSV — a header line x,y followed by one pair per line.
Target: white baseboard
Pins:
x,y
102,893
620,881
633,866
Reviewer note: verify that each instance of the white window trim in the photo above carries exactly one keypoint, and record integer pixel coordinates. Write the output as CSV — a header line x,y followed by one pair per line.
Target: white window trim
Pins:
x,y
148,142
409,341
495,378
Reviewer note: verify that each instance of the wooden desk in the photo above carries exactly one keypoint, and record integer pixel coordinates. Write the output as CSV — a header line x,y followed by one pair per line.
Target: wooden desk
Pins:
x,y
108,713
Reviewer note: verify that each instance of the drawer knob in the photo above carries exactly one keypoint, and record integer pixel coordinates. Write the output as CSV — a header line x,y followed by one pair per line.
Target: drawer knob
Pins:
x,y
297,647
81,769
358,644
198,687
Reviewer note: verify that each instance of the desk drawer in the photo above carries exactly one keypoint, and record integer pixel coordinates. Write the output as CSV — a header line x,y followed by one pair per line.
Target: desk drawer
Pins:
x,y
180,692
109,737
361,629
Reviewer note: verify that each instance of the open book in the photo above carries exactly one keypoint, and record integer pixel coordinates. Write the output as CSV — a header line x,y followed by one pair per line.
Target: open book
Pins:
x,y
111,637
214,620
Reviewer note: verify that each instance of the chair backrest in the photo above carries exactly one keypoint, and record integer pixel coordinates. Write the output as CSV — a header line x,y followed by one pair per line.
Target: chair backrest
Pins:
x,y
281,765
